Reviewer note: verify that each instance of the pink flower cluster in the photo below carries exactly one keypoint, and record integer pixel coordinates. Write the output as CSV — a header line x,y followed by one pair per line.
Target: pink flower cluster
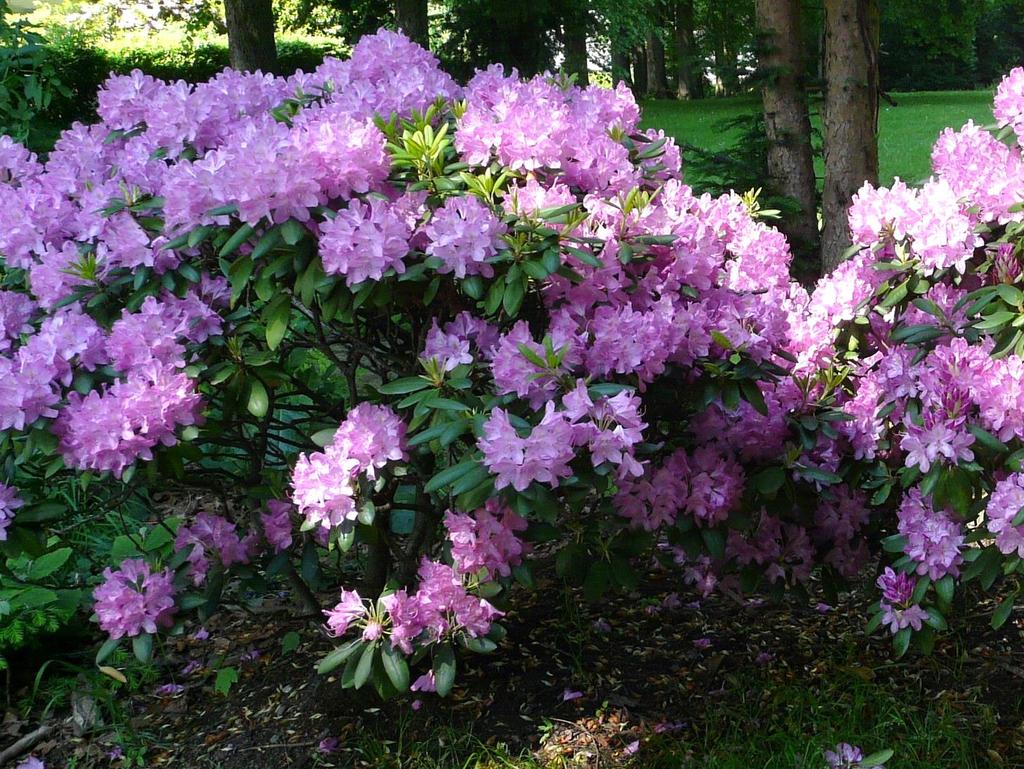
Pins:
x,y
440,607
363,241
277,525
213,535
107,431
463,234
133,599
1004,505
897,592
324,483
486,540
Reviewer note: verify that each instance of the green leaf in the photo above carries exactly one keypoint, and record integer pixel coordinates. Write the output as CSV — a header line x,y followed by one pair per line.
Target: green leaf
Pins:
x,y
532,355
752,394
987,439
259,401
290,642
47,564
278,316
365,666
323,437
142,645
450,475
1002,612
944,589
714,540
935,619
901,641
237,239
226,678
408,384
878,758
107,649
770,480
396,667
513,298
494,297
292,231
473,286
45,511
444,669
338,657
269,240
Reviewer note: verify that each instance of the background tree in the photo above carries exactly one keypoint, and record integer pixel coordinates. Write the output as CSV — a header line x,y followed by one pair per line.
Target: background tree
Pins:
x,y
689,74
412,17
250,26
850,115
786,119
575,26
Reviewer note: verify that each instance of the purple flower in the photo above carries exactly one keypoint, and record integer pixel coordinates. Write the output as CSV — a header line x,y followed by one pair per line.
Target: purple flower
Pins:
x,y
363,241
328,745
486,540
345,612
134,600
9,503
170,690
277,524
324,482
568,695
425,683
463,233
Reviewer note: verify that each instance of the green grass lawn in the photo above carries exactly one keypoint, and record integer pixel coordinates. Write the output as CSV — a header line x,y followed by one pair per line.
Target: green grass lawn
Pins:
x,y
906,131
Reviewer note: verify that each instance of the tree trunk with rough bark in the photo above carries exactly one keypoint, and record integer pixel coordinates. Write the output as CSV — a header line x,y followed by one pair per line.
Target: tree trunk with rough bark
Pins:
x,y
251,43
786,119
851,116
689,79
412,18
657,84
640,84
575,42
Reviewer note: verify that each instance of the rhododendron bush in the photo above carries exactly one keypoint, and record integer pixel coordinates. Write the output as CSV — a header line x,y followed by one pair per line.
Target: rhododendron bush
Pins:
x,y
439,337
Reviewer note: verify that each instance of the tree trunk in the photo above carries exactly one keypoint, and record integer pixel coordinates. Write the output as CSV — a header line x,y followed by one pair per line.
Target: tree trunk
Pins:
x,y
656,81
689,78
851,115
640,83
575,42
620,65
786,119
412,18
251,35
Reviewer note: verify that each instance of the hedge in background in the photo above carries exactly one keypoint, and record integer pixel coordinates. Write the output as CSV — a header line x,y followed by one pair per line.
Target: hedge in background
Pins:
x,y
81,66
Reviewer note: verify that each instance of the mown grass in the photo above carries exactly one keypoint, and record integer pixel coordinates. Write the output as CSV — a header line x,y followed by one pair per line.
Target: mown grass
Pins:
x,y
906,130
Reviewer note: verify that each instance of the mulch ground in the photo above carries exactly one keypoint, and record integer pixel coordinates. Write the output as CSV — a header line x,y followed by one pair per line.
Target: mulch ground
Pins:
x,y
577,681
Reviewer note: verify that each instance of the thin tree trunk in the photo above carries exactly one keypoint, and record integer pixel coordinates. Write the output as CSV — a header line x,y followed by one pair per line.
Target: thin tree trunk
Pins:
x,y
620,65
251,44
575,42
656,81
786,119
689,79
641,86
851,115
412,18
